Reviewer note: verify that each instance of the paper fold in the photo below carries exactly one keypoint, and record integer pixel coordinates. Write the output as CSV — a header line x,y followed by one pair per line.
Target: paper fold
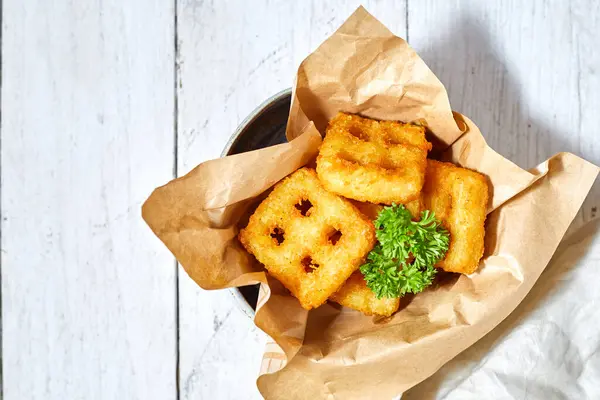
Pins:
x,y
333,352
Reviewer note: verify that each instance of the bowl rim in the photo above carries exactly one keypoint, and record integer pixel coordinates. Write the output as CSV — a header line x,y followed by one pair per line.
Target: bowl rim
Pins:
x,y
253,116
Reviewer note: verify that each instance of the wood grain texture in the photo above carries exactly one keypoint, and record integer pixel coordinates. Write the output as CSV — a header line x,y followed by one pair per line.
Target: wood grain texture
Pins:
x,y
89,304
232,56
88,293
525,72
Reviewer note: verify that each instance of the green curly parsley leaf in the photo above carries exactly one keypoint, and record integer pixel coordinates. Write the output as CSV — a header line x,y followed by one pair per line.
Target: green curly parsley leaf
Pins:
x,y
404,259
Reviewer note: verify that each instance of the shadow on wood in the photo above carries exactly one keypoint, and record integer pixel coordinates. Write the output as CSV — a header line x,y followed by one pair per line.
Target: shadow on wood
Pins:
x,y
467,65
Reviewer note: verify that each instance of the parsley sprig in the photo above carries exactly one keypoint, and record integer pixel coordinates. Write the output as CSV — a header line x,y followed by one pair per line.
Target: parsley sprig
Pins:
x,y
404,259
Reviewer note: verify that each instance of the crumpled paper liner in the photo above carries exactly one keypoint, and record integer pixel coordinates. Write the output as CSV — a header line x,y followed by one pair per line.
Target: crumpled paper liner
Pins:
x,y
334,352
546,347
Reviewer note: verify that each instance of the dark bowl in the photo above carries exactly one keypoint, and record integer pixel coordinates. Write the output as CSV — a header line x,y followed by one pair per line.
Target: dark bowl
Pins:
x,y
264,127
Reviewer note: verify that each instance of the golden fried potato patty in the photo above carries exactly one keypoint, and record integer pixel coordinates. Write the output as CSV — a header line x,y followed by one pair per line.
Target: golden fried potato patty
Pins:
x,y
308,238
356,295
459,198
374,161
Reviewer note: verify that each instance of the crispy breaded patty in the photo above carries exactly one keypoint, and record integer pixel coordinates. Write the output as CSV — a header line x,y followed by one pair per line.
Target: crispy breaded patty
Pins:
x,y
356,295
374,161
459,198
308,238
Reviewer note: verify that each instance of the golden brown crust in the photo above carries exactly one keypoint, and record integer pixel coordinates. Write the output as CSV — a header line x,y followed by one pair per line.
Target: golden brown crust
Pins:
x,y
295,233
374,161
459,198
356,295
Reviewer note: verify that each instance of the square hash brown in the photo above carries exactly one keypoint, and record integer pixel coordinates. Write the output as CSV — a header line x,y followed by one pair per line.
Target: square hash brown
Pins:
x,y
356,295
375,161
458,197
308,238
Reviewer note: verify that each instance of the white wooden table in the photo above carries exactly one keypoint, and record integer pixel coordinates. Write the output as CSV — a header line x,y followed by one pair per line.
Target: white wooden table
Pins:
x,y
102,100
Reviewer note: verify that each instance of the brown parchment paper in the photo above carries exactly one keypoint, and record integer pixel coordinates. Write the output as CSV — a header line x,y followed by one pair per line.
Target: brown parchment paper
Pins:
x,y
337,353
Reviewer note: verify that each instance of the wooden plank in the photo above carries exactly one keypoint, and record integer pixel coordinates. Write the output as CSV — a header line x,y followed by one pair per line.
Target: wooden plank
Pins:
x,y
525,72
88,293
232,56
